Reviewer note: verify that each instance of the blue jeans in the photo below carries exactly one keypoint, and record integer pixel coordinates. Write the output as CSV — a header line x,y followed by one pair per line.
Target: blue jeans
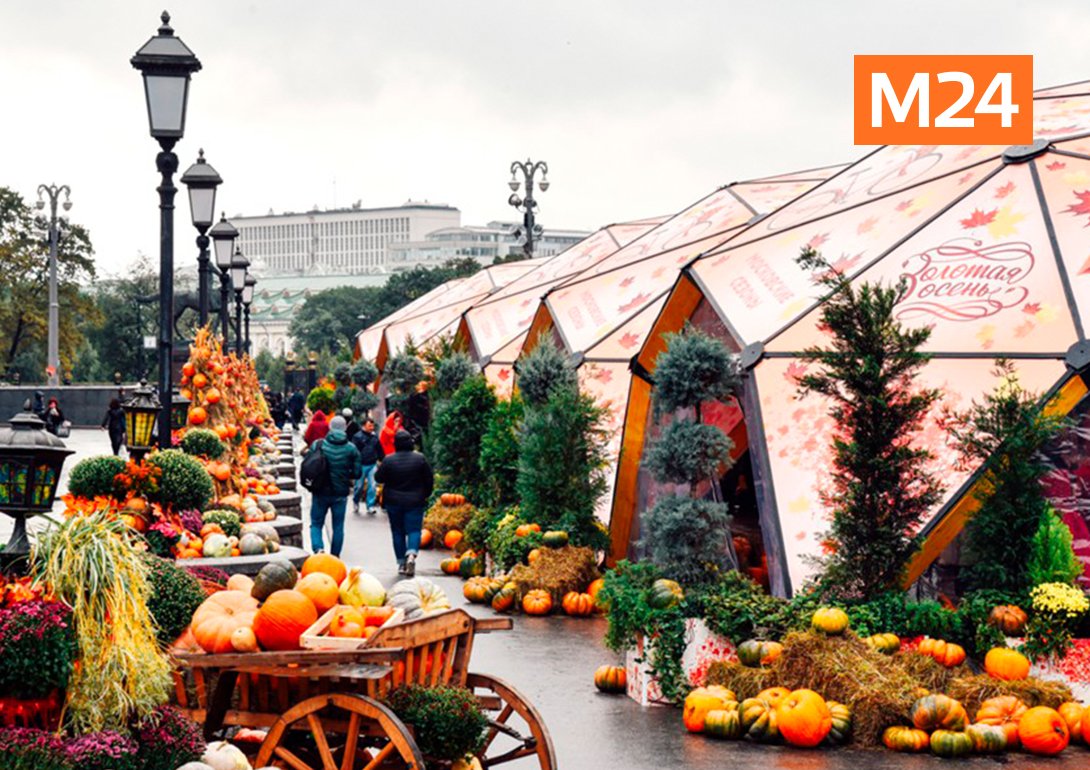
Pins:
x,y
366,477
319,505
405,524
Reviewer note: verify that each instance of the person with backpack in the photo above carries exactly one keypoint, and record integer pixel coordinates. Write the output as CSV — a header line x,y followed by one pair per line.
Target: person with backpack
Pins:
x,y
371,454
329,471
408,482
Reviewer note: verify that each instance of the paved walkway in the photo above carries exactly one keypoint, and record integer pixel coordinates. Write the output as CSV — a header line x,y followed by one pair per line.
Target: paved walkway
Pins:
x,y
552,661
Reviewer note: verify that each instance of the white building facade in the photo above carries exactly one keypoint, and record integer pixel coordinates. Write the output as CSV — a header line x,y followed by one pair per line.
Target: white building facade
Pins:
x,y
481,243
344,241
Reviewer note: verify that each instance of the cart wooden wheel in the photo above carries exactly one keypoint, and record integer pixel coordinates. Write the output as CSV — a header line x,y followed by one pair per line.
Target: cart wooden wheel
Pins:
x,y
511,716
339,731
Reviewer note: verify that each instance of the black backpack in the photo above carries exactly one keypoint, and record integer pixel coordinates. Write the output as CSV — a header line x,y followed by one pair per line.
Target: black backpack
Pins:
x,y
314,470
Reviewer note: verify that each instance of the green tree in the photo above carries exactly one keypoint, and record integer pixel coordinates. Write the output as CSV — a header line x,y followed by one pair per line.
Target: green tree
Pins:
x,y
500,453
24,288
880,486
1005,434
328,320
128,309
270,369
544,370
455,436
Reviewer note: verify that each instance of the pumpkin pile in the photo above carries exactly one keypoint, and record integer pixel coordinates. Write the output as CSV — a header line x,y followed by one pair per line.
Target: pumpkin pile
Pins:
x,y
801,718
272,610
450,513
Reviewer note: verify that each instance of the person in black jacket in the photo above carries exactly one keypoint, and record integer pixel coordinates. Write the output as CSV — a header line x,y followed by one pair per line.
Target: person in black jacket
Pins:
x,y
371,454
407,484
114,424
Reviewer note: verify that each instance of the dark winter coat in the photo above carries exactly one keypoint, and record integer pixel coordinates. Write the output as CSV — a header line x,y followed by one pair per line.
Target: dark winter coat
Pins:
x,y
114,422
369,445
406,477
343,461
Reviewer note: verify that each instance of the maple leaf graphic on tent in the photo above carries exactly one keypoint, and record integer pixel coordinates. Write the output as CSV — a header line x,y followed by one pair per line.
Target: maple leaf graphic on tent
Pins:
x,y
817,241
967,152
1005,190
794,371
866,225
1082,207
846,263
628,282
504,374
1004,223
1056,165
634,303
967,176
629,340
979,218
1031,307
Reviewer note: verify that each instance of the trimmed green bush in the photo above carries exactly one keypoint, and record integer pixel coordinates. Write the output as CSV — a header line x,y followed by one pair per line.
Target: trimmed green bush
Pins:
x,y
687,452
499,459
455,435
184,483
175,596
364,373
447,721
544,370
202,442
94,476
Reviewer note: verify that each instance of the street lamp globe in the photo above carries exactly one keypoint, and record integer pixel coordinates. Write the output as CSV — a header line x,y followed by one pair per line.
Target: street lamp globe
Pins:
x,y
248,289
239,263
513,183
141,411
166,64
223,235
202,181
543,185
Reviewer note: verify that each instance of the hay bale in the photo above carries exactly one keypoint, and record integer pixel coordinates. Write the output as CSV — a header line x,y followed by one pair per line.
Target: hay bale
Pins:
x,y
558,571
744,681
974,689
928,672
441,519
877,689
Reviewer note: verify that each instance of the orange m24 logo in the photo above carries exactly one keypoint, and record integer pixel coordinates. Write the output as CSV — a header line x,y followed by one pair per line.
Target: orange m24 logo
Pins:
x,y
943,99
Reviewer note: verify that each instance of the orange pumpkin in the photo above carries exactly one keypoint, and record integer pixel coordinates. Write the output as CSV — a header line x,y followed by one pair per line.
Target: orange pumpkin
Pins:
x,y
219,616
1073,714
950,654
212,395
926,646
537,602
804,718
577,604
220,471
240,582
595,586
1006,664
347,622
210,528
1003,711
426,538
774,695
197,415
534,555
284,616
523,530
702,700
326,563
1043,731
452,538
1008,618
199,380
188,369
1084,727
321,589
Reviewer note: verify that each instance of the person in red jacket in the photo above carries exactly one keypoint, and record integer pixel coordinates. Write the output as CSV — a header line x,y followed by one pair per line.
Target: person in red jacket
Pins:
x,y
389,430
317,429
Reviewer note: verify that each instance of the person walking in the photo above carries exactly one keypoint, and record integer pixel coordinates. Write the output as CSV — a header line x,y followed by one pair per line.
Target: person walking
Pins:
x,y
54,417
317,429
331,496
295,408
389,430
408,482
114,424
371,455
353,426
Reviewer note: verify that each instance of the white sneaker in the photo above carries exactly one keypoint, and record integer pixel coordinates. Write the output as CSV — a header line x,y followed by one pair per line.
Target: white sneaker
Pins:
x,y
410,565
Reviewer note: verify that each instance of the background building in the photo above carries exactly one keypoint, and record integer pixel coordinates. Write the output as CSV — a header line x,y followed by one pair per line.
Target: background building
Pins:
x,y
352,240
482,243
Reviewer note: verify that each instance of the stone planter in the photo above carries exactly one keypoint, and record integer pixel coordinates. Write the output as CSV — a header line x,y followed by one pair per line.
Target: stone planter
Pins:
x,y
286,483
289,528
286,503
249,565
702,648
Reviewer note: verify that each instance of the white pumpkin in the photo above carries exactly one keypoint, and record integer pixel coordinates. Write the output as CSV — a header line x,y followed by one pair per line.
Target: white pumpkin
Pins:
x,y
222,755
217,546
418,597
361,589
195,766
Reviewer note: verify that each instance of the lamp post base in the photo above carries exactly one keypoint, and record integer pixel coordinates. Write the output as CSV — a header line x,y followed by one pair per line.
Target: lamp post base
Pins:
x,y
15,558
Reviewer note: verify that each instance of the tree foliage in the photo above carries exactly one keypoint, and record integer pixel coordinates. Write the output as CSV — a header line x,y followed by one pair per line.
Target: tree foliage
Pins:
x,y
694,368
270,369
544,370
562,464
404,372
500,453
451,372
456,432
128,310
24,288
1005,433
686,538
881,488
687,452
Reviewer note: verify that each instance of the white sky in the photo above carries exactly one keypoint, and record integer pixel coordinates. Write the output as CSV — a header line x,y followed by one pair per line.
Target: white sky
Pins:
x,y
638,107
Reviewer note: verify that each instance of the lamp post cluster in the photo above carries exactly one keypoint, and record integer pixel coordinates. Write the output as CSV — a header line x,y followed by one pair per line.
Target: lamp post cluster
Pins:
x,y
167,64
529,231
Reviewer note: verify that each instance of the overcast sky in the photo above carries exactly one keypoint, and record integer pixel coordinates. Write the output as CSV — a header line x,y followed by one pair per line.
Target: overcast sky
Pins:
x,y
638,107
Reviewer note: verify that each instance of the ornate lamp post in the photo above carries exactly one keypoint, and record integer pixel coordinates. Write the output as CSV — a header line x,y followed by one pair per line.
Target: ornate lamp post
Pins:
x,y
239,265
312,370
223,240
166,64
53,192
247,300
529,230
289,371
141,411
202,181
30,467
179,410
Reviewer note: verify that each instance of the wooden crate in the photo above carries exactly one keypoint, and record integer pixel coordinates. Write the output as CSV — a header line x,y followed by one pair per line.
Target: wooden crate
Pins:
x,y
317,638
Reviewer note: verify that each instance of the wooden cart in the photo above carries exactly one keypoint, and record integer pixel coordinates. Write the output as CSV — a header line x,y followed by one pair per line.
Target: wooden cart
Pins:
x,y
323,709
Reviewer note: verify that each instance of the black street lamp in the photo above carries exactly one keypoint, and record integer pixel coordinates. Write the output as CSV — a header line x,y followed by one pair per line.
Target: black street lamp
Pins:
x,y
53,192
30,467
289,371
529,230
239,265
312,371
247,300
202,181
166,64
141,411
223,235
179,410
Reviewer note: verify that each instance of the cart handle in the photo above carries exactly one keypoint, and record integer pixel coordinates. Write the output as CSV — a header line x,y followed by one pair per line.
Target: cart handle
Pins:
x,y
485,625
293,657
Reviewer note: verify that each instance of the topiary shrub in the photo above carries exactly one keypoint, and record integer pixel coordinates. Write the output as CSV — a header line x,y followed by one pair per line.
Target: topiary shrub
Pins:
x,y
202,442
452,372
693,369
364,373
94,476
363,401
456,432
447,721
544,370
167,739
403,373
687,452
342,374
175,596
321,399
685,537
499,458
184,483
